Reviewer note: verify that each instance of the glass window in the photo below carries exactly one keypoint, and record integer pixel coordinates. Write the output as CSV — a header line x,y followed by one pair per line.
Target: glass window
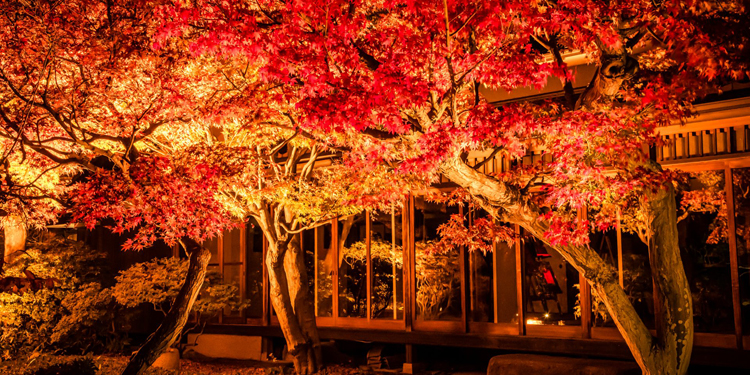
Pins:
x,y
506,284
212,244
352,265
636,275
480,269
438,276
705,250
605,244
386,253
254,285
637,280
741,191
551,286
307,241
231,246
325,261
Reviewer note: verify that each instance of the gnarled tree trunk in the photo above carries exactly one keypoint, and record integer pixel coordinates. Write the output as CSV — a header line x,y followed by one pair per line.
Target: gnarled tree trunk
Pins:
x,y
178,314
15,238
302,302
668,354
286,274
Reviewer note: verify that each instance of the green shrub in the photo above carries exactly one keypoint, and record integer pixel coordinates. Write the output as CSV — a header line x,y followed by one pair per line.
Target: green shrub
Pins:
x,y
67,366
46,364
76,315
156,283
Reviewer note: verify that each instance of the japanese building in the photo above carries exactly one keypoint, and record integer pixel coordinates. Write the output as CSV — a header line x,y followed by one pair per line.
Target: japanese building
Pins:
x,y
373,281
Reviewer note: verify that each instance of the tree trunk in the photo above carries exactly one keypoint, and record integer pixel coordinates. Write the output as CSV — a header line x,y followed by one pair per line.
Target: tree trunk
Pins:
x,y
175,320
302,302
15,239
298,344
668,355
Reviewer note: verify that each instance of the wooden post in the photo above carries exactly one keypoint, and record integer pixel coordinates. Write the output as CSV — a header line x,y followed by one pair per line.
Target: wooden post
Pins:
x,y
585,291
463,263
393,260
335,281
266,318
733,259
243,266
495,289
368,241
409,265
520,283
619,252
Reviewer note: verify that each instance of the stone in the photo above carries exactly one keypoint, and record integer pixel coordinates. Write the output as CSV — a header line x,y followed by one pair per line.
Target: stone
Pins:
x,y
169,360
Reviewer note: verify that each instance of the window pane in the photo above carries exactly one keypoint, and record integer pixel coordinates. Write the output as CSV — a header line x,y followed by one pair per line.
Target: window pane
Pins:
x,y
254,256
324,278
637,281
387,265
212,244
551,286
705,251
231,245
741,189
507,296
307,241
231,276
438,275
481,277
353,266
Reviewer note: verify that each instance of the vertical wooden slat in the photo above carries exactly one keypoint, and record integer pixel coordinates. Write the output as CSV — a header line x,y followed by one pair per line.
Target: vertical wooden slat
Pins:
x,y
495,289
243,264
407,239
733,260
316,279
619,252
394,254
520,283
220,250
335,281
266,318
585,292
368,236
412,259
465,282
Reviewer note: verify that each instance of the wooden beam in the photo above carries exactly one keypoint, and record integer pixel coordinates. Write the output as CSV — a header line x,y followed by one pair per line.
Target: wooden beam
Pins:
x,y
733,260
266,318
368,260
620,274
335,281
407,240
520,283
463,266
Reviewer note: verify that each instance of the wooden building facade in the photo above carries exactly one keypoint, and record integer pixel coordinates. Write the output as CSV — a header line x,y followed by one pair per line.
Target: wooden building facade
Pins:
x,y
372,279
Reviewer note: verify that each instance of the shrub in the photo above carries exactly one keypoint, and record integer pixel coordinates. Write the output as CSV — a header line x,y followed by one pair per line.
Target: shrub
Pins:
x,y
50,365
157,282
76,315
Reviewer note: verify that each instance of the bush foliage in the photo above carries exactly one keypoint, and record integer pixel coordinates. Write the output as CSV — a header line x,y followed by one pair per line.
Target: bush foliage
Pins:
x,y
157,282
76,315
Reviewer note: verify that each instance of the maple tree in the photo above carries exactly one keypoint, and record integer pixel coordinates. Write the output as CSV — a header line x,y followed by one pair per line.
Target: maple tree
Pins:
x,y
164,145
409,77
82,91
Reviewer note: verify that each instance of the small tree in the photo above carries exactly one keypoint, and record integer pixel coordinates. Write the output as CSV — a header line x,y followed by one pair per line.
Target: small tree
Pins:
x,y
158,282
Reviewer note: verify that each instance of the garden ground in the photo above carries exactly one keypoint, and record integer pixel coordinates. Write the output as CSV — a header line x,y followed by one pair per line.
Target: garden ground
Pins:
x,y
114,364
